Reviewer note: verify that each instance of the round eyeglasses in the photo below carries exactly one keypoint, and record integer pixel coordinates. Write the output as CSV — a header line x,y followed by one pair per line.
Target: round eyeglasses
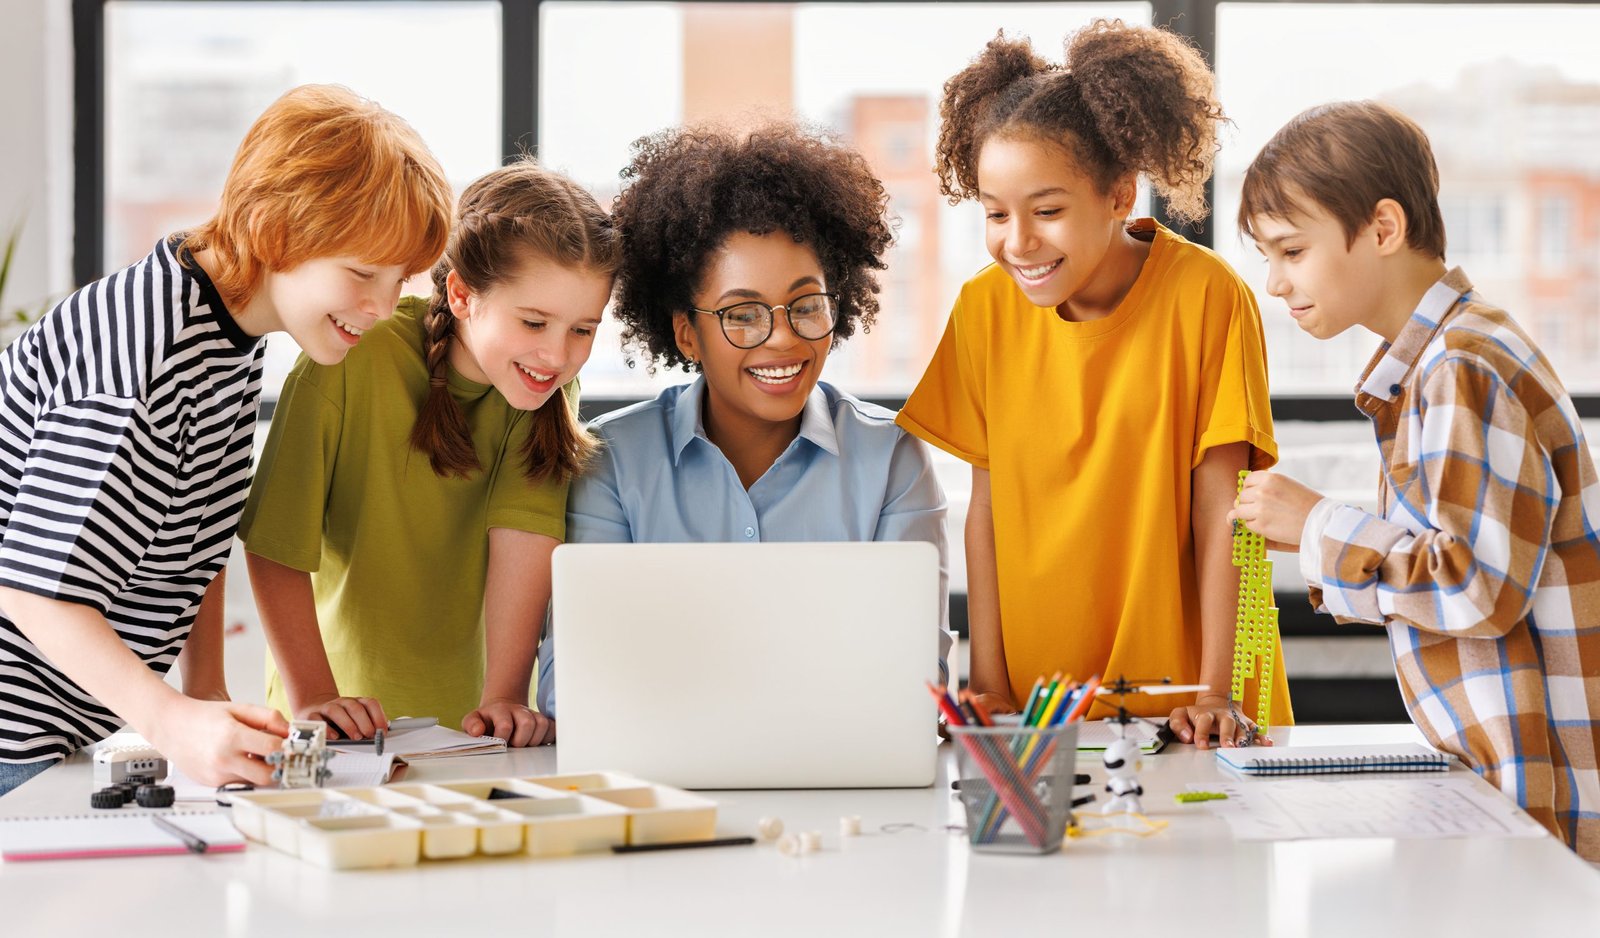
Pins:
x,y
749,324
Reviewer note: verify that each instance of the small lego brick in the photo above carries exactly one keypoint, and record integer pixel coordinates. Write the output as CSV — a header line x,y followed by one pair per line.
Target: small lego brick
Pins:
x,y
115,764
770,828
850,826
1189,797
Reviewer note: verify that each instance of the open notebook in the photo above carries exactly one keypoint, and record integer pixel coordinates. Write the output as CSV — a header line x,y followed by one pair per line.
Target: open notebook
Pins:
x,y
430,742
1096,735
1316,760
112,834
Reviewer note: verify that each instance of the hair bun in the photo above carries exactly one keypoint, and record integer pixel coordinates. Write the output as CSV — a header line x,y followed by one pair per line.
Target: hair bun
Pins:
x,y
1153,100
968,97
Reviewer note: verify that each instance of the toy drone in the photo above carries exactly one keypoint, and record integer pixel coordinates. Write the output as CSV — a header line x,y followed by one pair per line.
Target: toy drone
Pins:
x,y
1121,758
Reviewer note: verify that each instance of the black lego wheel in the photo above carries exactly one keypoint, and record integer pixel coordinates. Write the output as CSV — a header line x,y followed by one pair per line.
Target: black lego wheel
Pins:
x,y
106,798
155,796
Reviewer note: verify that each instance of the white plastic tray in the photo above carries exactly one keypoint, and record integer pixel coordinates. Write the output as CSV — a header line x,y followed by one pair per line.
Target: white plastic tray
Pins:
x,y
398,825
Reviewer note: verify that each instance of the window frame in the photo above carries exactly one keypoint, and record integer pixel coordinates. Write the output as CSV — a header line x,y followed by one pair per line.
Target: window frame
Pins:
x,y
519,96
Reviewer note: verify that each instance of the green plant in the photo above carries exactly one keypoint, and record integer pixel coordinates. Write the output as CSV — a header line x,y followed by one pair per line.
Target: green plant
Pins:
x,y
13,320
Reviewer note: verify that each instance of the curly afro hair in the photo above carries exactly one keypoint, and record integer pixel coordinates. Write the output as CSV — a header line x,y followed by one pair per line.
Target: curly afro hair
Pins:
x,y
687,190
1134,99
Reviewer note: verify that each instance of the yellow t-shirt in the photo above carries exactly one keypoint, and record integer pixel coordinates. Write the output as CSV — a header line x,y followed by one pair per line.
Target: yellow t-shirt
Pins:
x,y
397,554
1089,431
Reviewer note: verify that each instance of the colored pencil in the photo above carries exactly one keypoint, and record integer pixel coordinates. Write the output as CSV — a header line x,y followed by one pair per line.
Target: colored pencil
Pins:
x,y
1020,801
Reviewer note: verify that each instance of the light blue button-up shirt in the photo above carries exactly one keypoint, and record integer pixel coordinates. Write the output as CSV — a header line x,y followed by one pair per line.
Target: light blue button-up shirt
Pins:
x,y
850,475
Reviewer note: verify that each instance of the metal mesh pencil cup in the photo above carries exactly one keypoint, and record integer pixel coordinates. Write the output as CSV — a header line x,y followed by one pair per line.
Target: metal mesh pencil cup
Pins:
x,y
1016,784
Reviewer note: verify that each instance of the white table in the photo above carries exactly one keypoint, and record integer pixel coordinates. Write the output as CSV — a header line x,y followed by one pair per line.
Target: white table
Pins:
x,y
1191,880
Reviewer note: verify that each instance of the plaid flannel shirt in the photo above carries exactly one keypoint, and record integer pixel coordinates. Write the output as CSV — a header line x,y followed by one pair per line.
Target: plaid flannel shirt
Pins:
x,y
1485,563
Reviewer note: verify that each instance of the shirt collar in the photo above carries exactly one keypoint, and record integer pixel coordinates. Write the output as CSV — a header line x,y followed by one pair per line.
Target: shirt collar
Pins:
x,y
816,423
688,420
1385,376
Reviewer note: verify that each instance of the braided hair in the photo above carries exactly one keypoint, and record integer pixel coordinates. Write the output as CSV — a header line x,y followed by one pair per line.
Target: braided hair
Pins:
x,y
518,211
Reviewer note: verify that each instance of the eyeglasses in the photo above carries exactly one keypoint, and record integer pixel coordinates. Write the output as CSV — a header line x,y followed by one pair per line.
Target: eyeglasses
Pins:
x,y
749,324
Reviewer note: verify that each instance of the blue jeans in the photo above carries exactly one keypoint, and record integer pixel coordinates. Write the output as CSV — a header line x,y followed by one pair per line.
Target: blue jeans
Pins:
x,y
13,774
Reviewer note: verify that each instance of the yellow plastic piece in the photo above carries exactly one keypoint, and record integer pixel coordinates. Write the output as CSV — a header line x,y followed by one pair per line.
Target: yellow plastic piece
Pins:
x,y
1189,797
1255,637
1098,825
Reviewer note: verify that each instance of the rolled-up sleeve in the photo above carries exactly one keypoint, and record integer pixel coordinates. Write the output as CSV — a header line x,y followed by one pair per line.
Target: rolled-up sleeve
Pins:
x,y
1470,528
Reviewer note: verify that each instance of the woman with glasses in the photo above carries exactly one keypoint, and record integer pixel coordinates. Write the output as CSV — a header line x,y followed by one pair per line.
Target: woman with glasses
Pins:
x,y
747,260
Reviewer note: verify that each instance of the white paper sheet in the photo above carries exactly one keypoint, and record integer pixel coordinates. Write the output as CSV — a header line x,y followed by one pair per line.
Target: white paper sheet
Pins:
x,y
350,770
1095,735
1332,808
431,742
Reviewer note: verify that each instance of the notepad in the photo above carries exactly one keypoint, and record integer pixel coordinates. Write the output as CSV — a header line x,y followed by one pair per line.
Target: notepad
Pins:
x,y
1413,807
1096,735
1317,760
113,834
432,742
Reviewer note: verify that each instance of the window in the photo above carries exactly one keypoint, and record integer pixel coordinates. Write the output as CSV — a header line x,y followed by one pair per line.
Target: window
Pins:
x,y
1475,224
871,72
1510,120
1555,234
184,81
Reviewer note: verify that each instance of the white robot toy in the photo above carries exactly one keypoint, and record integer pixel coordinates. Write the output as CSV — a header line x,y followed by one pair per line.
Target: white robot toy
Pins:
x,y
1121,760
303,760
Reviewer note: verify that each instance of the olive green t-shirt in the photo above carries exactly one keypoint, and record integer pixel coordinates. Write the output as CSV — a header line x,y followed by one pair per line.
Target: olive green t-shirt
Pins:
x,y
397,554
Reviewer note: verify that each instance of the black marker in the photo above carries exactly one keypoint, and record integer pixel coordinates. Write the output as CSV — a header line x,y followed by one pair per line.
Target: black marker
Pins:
x,y
683,845
194,843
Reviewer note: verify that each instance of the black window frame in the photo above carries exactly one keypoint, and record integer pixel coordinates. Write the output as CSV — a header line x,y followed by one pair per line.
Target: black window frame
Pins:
x,y
519,120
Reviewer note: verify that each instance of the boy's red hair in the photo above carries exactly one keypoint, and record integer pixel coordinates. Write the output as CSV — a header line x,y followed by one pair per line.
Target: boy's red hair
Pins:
x,y
324,172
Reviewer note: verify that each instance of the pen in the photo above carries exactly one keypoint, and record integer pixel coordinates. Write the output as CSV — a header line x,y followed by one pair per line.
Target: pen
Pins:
x,y
397,725
194,843
683,844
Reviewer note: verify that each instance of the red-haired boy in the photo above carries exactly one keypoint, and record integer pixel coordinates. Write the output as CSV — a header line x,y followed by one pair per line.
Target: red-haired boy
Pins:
x,y
127,416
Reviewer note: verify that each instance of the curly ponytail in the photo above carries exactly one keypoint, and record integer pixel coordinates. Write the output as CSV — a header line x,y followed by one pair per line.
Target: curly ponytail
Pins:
x,y
994,82
1129,99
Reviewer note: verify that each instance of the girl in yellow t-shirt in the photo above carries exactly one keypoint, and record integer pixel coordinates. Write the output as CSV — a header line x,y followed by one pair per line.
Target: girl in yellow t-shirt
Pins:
x,y
1106,379
400,526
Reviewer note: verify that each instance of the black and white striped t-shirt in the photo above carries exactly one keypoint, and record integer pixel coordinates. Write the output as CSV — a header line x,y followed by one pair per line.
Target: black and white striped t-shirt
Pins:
x,y
126,420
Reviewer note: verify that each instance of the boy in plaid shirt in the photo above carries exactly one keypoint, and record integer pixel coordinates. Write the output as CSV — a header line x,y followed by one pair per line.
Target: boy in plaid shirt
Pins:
x,y
1484,563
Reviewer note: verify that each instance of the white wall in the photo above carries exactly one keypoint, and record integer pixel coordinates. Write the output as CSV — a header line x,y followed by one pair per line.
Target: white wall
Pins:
x,y
36,155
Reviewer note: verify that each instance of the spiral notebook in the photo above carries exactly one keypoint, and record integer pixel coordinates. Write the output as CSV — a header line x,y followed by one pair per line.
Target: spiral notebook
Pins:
x,y
119,833
1318,760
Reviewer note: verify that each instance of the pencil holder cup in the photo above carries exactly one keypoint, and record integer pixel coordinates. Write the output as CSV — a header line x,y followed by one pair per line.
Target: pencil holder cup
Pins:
x,y
1016,783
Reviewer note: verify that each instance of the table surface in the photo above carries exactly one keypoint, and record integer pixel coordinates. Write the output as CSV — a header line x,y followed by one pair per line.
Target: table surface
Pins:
x,y
1191,878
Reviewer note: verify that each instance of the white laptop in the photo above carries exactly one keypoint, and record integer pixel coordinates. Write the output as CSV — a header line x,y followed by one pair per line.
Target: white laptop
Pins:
x,y
748,665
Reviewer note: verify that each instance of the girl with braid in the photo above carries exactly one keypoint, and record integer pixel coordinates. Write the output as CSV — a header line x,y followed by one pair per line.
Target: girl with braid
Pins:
x,y
400,527
1105,378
